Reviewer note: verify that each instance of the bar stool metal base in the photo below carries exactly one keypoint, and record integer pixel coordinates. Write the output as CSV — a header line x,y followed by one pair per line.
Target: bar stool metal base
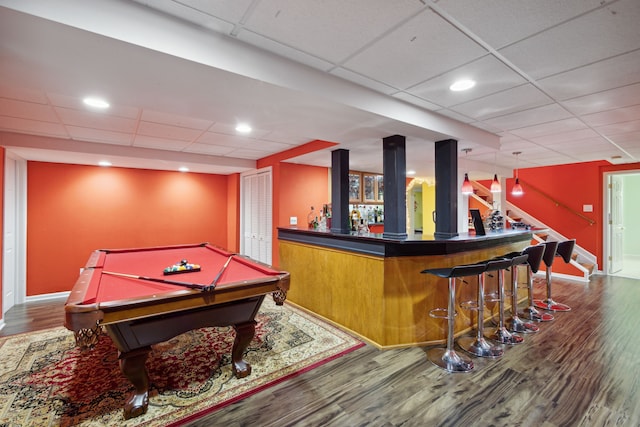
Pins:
x,y
551,305
503,336
531,313
516,324
449,360
480,347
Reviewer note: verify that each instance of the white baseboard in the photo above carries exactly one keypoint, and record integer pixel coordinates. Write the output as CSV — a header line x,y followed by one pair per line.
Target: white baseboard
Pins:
x,y
47,297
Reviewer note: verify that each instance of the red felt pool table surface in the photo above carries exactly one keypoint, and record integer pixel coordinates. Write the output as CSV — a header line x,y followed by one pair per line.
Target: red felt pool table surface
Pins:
x,y
151,262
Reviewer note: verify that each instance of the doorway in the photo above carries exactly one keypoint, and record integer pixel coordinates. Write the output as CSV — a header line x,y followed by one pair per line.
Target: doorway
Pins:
x,y
256,222
621,228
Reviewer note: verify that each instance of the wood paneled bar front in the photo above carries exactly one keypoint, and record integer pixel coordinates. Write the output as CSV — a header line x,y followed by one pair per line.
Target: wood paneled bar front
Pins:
x,y
372,286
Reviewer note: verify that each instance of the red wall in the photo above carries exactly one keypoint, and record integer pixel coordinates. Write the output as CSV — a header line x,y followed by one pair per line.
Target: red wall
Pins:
x,y
72,210
573,185
301,187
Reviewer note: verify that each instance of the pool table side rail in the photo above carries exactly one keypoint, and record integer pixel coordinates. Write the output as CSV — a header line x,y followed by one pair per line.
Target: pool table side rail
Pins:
x,y
80,315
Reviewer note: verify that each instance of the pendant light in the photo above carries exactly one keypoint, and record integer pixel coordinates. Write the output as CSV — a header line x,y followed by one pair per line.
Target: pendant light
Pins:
x,y
467,188
495,184
517,188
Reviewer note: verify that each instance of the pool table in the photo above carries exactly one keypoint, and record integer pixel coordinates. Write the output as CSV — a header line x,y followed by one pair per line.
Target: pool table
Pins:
x,y
126,292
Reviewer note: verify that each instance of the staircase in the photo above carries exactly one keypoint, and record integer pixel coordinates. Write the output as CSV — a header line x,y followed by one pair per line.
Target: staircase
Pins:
x,y
582,264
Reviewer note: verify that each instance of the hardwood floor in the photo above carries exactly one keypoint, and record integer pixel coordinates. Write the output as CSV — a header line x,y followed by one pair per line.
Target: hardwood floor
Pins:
x,y
580,370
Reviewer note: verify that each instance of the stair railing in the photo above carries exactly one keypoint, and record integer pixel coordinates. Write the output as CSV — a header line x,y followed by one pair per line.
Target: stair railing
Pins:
x,y
557,202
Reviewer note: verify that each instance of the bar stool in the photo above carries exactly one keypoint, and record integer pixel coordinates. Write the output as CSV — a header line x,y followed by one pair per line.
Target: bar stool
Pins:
x,y
478,345
500,333
447,358
533,265
564,250
515,323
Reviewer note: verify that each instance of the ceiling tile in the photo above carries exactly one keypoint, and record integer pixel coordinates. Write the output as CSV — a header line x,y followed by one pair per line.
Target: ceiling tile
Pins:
x,y
501,22
608,100
167,131
509,101
332,29
613,116
175,120
546,113
27,110
75,103
212,150
217,16
627,140
99,135
14,124
618,128
23,94
489,73
284,50
146,141
562,137
97,120
421,49
603,33
244,153
611,73
550,128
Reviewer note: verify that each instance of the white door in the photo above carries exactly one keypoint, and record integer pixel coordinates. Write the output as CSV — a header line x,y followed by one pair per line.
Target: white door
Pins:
x,y
256,224
616,229
13,268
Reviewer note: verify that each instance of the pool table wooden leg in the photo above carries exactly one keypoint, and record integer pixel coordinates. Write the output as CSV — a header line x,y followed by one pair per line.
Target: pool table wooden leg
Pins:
x,y
132,365
244,335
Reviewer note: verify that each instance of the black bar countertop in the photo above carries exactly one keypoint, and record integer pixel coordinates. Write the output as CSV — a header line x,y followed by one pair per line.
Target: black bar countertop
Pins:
x,y
413,245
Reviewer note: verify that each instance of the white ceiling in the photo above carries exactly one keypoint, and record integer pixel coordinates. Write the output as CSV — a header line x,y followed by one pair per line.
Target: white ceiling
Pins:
x,y
558,81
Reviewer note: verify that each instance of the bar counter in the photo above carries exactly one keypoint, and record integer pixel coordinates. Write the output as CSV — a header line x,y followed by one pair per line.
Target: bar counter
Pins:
x,y
372,285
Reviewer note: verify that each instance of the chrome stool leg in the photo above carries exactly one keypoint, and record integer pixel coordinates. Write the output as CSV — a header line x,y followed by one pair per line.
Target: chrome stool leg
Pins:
x,y
531,312
515,323
478,345
447,358
500,333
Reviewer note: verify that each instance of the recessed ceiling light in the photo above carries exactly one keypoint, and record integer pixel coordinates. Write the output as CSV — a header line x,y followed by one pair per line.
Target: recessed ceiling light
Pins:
x,y
95,102
243,128
183,169
463,84
411,172
104,163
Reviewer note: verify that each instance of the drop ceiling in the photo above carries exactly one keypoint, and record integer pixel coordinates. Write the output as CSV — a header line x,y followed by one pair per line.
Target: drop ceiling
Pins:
x,y
557,81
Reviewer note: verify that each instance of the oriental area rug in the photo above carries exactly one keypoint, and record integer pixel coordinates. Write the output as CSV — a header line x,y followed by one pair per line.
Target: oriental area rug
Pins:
x,y
45,380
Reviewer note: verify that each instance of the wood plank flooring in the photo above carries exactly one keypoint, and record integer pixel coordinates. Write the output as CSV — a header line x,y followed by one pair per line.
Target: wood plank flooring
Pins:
x,y
583,369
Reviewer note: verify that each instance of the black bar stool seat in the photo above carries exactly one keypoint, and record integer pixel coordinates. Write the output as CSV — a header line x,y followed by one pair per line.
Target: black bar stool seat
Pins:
x,y
447,358
563,250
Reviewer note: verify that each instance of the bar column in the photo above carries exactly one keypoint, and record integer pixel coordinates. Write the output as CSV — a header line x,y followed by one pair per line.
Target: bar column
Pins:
x,y
446,153
340,191
394,168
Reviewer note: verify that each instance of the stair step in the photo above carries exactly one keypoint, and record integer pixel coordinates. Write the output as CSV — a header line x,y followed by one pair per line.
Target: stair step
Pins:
x,y
589,267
